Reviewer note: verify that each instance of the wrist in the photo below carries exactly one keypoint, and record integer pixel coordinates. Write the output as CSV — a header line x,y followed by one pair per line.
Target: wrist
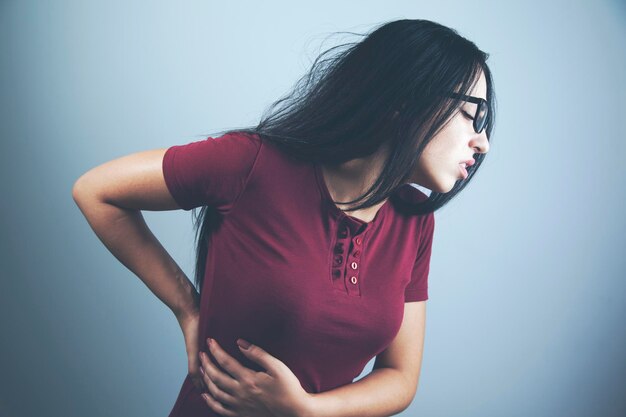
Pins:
x,y
307,409
189,307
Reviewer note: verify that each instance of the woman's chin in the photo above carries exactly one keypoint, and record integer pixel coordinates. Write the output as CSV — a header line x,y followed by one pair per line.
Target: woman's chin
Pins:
x,y
442,187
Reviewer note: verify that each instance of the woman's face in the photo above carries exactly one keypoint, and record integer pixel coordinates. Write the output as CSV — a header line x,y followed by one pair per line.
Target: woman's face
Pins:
x,y
439,166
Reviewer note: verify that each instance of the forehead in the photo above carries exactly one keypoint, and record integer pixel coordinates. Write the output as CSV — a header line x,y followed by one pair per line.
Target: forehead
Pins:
x,y
480,88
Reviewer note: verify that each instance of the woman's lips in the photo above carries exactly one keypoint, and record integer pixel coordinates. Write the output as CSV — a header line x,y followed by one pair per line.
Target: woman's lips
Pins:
x,y
463,171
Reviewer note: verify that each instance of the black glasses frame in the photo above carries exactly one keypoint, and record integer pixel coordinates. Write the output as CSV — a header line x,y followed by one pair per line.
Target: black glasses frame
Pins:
x,y
479,125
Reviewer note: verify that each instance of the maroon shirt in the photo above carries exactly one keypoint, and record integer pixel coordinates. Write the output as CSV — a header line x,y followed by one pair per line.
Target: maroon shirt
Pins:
x,y
289,271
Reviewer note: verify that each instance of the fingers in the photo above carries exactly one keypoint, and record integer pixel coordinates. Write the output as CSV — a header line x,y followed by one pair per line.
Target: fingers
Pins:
x,y
216,392
212,373
270,363
230,364
217,406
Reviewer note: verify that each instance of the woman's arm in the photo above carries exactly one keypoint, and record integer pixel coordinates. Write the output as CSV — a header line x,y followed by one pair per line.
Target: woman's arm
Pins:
x,y
110,196
382,392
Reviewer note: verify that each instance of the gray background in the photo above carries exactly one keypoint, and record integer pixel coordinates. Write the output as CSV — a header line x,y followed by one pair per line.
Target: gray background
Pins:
x,y
527,289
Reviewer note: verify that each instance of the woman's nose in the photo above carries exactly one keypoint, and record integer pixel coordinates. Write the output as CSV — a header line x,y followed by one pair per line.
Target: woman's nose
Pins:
x,y
480,143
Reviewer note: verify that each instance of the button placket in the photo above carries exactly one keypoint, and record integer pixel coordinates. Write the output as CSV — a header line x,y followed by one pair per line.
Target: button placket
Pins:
x,y
353,281
346,256
360,228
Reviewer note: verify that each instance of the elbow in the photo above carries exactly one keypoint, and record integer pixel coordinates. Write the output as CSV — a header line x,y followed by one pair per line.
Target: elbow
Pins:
x,y
78,189
75,191
411,386
83,187
408,401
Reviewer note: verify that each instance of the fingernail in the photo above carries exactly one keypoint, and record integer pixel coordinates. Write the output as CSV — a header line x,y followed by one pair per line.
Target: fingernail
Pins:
x,y
201,371
209,342
243,343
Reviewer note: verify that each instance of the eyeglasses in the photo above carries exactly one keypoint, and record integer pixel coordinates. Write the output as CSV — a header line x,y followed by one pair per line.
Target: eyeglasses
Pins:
x,y
482,110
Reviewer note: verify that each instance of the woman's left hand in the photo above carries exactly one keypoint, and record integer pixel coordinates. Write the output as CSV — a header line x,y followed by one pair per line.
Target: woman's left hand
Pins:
x,y
244,392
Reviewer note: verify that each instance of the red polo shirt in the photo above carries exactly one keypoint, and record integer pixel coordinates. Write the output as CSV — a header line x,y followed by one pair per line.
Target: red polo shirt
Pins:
x,y
289,271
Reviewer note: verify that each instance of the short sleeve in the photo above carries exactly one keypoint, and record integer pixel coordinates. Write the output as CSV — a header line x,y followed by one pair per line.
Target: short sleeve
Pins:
x,y
210,172
417,288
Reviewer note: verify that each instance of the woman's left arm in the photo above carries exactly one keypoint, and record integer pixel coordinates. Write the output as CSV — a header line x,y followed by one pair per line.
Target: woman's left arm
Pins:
x,y
387,390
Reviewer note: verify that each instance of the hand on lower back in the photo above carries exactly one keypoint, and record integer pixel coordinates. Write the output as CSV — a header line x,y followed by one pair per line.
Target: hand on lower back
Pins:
x,y
190,328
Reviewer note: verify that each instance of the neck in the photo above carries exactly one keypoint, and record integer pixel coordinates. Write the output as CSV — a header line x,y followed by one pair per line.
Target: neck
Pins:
x,y
349,180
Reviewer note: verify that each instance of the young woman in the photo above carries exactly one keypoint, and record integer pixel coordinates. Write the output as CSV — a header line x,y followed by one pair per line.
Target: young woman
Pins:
x,y
313,244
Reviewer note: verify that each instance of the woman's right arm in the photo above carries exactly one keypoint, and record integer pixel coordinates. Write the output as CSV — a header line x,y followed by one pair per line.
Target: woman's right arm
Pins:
x,y
111,197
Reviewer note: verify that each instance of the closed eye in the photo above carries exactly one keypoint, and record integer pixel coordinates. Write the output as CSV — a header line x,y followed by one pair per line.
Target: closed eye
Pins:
x,y
467,115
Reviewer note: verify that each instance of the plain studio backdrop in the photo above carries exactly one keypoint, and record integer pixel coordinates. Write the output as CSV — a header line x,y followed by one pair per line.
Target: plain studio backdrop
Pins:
x,y
527,289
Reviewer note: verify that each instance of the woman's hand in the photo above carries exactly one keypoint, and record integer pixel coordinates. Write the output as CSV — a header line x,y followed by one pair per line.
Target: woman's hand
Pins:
x,y
244,392
189,325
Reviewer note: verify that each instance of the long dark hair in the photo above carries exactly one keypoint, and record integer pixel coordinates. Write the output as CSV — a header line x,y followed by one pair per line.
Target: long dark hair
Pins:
x,y
390,86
